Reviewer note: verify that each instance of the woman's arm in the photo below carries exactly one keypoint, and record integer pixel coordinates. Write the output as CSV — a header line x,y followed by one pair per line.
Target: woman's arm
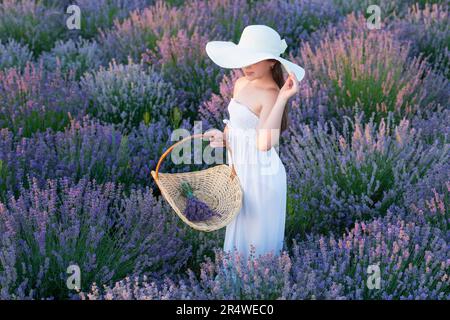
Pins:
x,y
269,126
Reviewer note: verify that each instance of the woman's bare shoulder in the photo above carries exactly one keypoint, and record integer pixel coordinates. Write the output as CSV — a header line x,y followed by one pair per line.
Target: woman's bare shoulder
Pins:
x,y
238,84
268,97
256,96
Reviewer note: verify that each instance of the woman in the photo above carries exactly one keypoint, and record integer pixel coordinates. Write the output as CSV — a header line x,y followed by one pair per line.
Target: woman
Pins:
x,y
257,118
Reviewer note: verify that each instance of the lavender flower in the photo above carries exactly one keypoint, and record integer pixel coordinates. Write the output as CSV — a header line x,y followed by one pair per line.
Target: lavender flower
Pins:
x,y
391,9
228,276
366,153
74,56
295,20
102,14
126,95
142,29
214,110
108,234
14,54
335,178
433,124
370,70
87,148
195,210
33,100
193,74
427,31
31,23
413,260
131,37
428,200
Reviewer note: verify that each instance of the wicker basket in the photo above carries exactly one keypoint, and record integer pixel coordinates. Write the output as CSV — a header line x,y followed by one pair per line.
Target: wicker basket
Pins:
x,y
217,186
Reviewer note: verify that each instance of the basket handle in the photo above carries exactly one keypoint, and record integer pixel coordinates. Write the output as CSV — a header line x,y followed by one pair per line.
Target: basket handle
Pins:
x,y
198,135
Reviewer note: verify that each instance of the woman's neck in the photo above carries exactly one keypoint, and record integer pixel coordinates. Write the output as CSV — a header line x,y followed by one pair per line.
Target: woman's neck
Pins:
x,y
265,82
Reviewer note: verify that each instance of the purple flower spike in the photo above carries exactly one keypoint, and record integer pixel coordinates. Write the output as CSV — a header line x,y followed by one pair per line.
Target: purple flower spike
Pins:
x,y
196,210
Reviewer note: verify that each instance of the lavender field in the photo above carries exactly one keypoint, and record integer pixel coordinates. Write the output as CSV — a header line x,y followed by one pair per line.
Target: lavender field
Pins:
x,y
86,113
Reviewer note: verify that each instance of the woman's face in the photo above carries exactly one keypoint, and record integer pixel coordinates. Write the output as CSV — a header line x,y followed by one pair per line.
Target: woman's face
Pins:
x,y
257,70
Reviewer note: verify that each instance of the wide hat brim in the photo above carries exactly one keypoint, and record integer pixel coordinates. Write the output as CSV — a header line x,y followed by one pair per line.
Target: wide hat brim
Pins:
x,y
227,54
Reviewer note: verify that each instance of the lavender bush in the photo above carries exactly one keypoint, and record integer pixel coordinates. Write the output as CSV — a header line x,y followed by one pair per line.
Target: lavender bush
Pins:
x,y
433,125
74,56
30,22
216,18
14,54
366,152
371,71
413,261
193,74
109,237
227,277
146,145
83,149
126,95
336,178
428,200
89,149
295,20
142,29
204,246
428,31
34,100
214,110
435,181
148,142
131,37
101,14
390,9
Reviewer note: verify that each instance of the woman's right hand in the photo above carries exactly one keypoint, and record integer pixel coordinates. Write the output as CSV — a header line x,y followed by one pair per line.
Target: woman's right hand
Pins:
x,y
216,137
290,87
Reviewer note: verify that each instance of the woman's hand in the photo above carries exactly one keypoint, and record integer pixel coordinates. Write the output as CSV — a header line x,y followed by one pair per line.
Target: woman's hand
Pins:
x,y
216,138
290,87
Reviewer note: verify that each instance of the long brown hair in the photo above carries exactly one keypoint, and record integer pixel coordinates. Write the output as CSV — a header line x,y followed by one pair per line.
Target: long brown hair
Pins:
x,y
277,74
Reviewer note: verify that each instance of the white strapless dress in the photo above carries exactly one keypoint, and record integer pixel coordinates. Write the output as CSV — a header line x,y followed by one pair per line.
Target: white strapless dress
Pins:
x,y
261,219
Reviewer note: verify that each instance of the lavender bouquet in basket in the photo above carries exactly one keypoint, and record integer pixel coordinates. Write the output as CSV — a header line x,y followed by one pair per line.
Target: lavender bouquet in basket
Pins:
x,y
196,210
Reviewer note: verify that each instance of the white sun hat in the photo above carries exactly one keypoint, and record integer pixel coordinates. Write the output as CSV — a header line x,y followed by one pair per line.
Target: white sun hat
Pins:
x,y
258,42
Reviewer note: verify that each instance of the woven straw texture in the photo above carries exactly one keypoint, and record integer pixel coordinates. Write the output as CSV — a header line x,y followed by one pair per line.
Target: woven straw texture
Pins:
x,y
217,186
